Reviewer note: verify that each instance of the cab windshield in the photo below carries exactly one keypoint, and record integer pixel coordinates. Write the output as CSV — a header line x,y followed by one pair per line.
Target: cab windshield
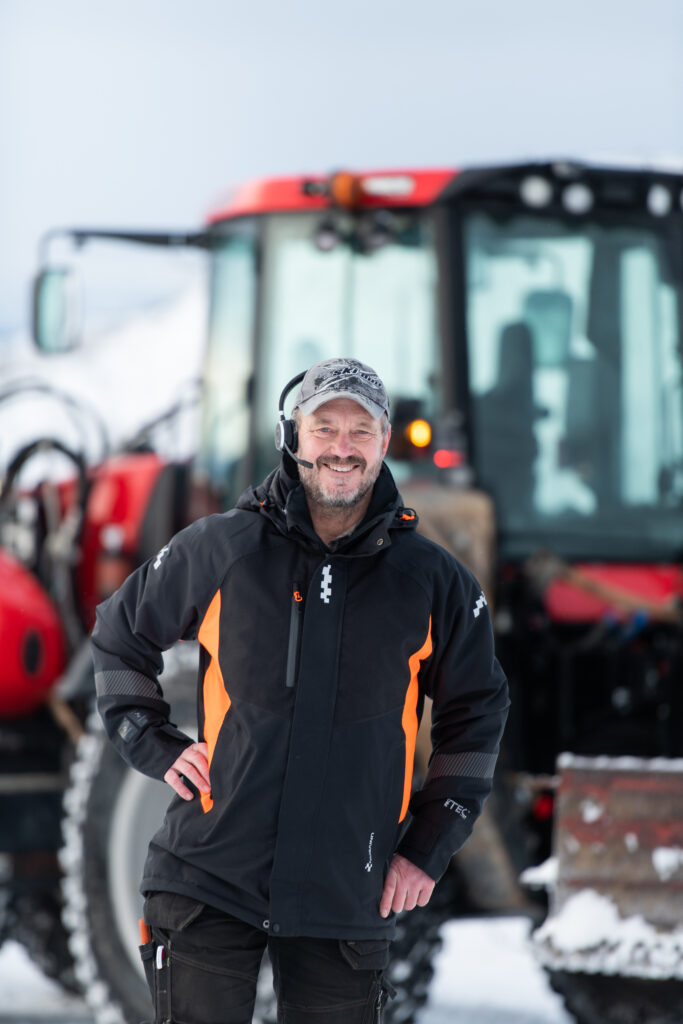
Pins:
x,y
575,386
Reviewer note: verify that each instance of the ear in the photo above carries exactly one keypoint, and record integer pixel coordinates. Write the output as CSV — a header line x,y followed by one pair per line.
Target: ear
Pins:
x,y
386,442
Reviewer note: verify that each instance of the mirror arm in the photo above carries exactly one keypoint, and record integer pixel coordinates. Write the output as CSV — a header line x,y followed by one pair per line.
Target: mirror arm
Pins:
x,y
165,239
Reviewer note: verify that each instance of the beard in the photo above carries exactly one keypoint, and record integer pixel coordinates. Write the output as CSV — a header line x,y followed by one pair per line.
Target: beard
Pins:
x,y
329,496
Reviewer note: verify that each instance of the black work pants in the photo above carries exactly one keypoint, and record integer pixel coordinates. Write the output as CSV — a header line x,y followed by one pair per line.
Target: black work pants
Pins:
x,y
202,966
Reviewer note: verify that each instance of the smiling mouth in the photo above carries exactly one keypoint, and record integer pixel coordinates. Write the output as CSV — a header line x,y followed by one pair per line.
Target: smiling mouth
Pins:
x,y
341,467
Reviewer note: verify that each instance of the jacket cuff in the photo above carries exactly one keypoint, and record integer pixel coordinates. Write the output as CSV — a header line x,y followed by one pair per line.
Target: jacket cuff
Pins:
x,y
172,742
426,847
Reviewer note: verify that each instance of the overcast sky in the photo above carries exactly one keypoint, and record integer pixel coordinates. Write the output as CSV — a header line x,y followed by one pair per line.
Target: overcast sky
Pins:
x,y
140,112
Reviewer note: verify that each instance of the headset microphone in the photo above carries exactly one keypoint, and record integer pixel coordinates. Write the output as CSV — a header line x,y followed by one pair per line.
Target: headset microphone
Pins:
x,y
285,429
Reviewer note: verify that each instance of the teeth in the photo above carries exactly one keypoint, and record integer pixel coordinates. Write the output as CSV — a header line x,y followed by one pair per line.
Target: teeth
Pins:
x,y
341,469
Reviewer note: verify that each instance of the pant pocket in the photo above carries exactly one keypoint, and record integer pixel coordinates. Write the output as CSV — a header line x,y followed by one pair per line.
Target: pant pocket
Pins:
x,y
157,965
365,954
171,911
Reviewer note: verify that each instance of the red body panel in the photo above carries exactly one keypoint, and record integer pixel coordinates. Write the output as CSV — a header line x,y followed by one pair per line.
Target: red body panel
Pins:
x,y
120,494
566,602
33,649
270,195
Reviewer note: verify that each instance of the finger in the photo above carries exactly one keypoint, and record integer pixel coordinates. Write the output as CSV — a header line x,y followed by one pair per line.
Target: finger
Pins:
x,y
425,895
175,782
194,765
201,759
388,893
198,753
411,898
399,901
193,775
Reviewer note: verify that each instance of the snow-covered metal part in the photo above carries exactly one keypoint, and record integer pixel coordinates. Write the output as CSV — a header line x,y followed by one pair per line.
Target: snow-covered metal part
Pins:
x,y
589,935
541,876
617,902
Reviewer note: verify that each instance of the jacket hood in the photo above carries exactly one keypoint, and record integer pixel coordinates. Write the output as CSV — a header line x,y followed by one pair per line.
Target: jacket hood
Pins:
x,y
281,498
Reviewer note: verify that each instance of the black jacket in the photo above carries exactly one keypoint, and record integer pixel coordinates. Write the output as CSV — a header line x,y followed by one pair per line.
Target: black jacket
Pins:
x,y
313,668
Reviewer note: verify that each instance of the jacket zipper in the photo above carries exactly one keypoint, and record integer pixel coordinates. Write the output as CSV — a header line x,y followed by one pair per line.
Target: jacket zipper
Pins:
x,y
294,633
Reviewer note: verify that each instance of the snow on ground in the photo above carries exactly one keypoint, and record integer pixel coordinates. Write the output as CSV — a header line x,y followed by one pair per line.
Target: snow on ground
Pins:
x,y
27,995
485,974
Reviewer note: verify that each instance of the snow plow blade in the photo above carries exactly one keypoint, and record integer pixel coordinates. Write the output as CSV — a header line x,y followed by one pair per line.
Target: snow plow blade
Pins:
x,y
617,905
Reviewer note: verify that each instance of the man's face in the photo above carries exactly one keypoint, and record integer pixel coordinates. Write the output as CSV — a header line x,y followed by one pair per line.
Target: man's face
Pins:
x,y
346,446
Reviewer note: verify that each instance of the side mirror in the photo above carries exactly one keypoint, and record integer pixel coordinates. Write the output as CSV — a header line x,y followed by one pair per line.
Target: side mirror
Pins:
x,y
55,310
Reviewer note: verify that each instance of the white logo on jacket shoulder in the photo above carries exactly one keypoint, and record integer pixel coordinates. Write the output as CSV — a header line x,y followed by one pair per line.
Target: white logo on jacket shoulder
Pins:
x,y
481,601
326,584
160,556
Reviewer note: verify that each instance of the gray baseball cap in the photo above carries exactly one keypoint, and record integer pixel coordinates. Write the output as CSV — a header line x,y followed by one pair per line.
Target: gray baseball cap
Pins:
x,y
342,378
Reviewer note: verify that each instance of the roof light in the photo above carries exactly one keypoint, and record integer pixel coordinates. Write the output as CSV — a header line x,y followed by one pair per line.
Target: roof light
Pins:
x,y
419,433
659,201
536,191
577,198
345,189
348,190
388,185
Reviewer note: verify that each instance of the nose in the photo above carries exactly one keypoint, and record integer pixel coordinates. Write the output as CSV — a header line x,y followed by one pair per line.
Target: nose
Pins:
x,y
343,444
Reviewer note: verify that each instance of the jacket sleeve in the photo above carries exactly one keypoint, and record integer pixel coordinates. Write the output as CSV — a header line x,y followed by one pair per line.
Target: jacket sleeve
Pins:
x,y
470,696
163,601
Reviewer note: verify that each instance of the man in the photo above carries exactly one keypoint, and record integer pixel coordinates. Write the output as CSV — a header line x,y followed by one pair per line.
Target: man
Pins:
x,y
323,619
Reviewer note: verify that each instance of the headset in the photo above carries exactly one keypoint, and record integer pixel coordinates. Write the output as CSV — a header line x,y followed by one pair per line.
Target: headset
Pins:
x,y
286,439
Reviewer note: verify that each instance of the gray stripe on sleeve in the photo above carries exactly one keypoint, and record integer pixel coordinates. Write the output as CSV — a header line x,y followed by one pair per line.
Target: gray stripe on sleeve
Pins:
x,y
127,683
473,765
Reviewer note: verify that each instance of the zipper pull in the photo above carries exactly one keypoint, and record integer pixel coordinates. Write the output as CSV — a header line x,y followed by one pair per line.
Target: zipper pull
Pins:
x,y
378,1006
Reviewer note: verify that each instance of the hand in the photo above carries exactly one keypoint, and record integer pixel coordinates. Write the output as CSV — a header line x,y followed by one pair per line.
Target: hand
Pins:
x,y
406,887
194,765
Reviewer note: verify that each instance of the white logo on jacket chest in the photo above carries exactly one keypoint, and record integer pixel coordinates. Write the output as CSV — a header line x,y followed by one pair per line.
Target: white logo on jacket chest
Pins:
x,y
481,601
368,866
326,584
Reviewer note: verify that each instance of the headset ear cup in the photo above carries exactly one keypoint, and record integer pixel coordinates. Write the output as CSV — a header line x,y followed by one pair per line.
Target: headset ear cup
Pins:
x,y
285,430
285,435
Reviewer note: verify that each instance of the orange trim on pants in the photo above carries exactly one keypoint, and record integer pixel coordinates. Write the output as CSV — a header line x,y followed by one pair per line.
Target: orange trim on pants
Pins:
x,y
409,719
215,697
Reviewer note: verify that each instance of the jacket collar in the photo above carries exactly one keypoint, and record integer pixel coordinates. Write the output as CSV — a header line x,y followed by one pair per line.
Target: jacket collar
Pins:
x,y
282,500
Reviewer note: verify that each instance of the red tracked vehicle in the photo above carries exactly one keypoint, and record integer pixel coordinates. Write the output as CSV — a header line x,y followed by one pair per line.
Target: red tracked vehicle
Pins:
x,y
528,323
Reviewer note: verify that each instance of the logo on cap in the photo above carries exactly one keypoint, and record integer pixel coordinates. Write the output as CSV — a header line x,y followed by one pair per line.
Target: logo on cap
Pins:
x,y
343,378
333,378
